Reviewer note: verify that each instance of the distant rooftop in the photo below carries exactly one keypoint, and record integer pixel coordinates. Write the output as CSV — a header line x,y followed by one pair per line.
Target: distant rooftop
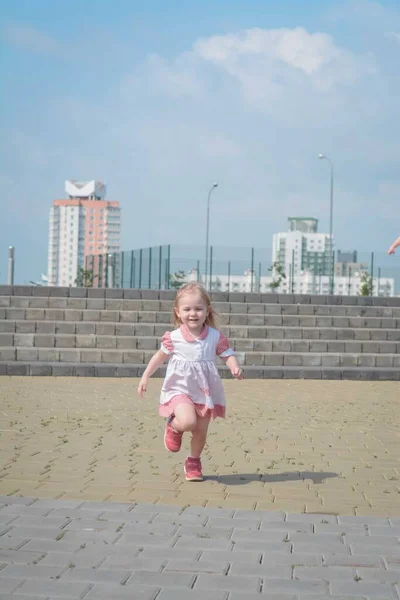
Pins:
x,y
92,190
303,224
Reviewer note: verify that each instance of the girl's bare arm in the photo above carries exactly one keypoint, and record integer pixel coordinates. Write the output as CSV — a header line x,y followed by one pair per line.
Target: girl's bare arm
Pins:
x,y
155,362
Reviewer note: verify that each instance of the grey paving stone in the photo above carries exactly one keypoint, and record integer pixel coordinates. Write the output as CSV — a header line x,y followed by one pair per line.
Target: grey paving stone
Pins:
x,y
263,570
251,557
335,597
227,583
161,579
142,539
7,586
10,542
28,520
106,537
88,524
77,513
16,596
14,510
367,520
134,563
295,586
266,517
17,500
356,528
30,572
37,533
97,575
320,547
263,546
55,505
356,560
20,557
113,592
312,518
393,531
72,559
221,523
179,553
392,562
384,541
298,559
272,535
204,543
54,589
195,566
266,596
161,508
204,532
191,595
166,529
379,575
359,588
134,517
51,546
325,573
286,526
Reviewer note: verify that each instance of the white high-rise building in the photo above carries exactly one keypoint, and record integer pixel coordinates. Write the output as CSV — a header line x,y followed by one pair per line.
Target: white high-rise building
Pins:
x,y
83,225
302,249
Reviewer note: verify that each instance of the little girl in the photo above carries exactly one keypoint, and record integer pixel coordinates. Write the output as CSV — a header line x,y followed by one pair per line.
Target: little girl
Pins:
x,y
192,392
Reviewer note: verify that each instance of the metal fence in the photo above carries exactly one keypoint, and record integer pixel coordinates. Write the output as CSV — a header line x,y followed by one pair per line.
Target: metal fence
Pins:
x,y
237,269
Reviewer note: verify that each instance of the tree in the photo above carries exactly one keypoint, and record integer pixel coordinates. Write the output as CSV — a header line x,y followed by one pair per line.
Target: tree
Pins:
x,y
277,271
366,284
84,278
177,279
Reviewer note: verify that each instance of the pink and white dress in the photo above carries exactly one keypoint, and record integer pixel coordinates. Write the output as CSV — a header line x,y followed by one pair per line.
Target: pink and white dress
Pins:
x,y
192,375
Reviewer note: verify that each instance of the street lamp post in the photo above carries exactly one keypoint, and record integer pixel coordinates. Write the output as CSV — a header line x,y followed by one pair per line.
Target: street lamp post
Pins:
x,y
208,230
324,157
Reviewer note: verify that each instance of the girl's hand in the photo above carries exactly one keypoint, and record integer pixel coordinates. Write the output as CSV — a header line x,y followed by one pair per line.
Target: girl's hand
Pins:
x,y
237,372
142,387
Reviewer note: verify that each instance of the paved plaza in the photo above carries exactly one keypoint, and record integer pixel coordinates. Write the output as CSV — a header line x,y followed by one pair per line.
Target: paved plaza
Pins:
x,y
301,498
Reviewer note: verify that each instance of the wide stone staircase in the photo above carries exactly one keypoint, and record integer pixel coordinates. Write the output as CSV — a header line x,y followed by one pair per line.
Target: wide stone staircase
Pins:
x,y
114,332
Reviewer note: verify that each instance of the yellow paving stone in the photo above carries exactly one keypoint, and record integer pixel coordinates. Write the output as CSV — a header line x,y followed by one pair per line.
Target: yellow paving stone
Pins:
x,y
304,444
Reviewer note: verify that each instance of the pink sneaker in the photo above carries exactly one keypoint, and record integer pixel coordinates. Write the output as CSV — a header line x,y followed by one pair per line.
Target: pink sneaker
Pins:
x,y
193,469
172,438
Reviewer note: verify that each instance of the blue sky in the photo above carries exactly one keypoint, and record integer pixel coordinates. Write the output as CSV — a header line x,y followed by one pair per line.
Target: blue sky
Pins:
x,y
161,98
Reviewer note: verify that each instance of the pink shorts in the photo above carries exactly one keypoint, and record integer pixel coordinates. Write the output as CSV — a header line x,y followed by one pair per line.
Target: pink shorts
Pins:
x,y
168,409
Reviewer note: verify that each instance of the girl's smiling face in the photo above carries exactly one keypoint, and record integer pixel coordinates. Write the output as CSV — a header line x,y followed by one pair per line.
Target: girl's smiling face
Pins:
x,y
192,312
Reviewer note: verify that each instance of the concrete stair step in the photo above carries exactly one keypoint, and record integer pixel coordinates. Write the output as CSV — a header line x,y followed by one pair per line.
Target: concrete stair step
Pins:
x,y
291,359
28,330
132,342
142,294
135,370
164,318
163,309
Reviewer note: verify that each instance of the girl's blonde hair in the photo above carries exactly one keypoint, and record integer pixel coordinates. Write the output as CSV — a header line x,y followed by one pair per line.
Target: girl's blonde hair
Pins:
x,y
195,288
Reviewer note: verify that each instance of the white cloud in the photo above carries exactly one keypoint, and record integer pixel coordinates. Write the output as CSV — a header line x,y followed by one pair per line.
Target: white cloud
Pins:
x,y
276,55
29,38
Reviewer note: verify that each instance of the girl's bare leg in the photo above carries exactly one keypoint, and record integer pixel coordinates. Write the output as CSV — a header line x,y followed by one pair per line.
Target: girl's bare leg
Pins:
x,y
185,418
199,436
